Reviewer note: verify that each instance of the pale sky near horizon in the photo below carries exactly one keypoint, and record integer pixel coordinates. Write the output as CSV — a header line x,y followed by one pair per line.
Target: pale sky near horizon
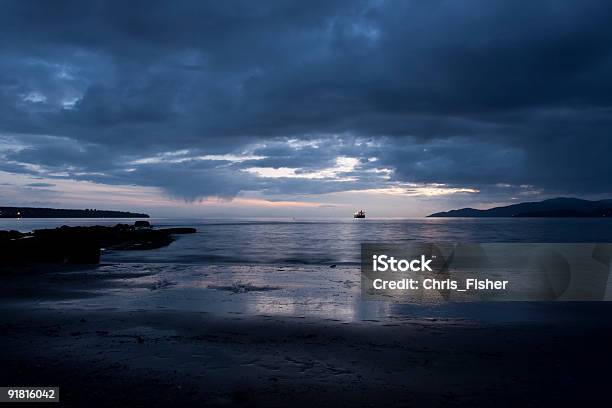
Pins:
x,y
22,190
303,109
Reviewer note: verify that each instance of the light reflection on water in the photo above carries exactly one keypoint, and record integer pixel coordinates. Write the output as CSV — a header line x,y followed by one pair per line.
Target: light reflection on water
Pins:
x,y
248,290
299,292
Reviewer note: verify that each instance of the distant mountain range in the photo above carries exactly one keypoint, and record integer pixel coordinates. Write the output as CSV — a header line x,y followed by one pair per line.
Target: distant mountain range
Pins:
x,y
32,212
554,207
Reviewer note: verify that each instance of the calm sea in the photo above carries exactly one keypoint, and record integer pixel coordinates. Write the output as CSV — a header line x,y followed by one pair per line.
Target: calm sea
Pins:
x,y
276,267
330,241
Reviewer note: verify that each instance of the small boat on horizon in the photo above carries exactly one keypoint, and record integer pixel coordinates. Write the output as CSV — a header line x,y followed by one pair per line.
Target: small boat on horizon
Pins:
x,y
359,214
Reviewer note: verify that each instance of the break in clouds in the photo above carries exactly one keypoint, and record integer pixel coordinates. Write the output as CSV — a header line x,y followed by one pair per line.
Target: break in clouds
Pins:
x,y
212,99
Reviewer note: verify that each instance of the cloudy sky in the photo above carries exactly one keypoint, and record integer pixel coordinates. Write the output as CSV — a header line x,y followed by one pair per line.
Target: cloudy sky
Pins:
x,y
304,108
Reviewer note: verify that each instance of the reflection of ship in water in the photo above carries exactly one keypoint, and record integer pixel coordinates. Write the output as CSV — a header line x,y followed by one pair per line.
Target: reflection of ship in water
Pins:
x,y
359,214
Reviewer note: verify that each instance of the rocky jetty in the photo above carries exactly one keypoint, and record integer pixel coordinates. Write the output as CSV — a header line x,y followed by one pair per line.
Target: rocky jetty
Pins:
x,y
79,245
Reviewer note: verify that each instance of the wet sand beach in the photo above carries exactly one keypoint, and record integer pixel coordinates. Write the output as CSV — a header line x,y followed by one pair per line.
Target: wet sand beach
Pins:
x,y
131,335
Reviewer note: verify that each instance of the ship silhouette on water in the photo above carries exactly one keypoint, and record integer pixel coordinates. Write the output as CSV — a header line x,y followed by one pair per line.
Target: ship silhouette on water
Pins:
x,y
359,214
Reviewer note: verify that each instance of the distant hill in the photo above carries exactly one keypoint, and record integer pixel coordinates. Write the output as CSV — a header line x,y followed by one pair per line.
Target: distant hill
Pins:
x,y
31,212
554,207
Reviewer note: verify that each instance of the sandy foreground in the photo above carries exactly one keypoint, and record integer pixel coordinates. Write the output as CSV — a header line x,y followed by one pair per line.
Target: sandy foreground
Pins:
x,y
164,356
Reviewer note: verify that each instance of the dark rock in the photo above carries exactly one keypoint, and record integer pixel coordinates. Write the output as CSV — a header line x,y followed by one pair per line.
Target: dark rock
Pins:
x,y
9,235
79,245
142,239
49,248
180,230
142,224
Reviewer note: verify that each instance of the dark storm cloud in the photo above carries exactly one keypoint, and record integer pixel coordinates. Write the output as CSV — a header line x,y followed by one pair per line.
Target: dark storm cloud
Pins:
x,y
469,94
